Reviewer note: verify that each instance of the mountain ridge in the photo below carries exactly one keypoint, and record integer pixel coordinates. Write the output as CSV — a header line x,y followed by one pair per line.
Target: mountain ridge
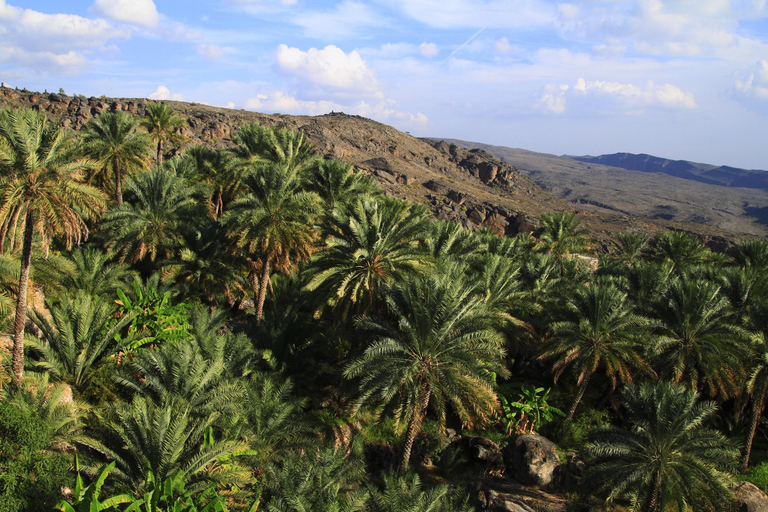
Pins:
x,y
466,185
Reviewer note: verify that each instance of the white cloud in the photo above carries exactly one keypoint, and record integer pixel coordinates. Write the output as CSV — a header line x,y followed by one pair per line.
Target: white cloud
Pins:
x,y
753,88
213,51
478,13
329,68
163,93
615,95
383,111
348,19
428,49
136,12
51,42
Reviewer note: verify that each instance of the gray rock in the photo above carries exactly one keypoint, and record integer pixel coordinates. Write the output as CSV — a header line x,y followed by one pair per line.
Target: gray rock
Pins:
x,y
749,498
531,460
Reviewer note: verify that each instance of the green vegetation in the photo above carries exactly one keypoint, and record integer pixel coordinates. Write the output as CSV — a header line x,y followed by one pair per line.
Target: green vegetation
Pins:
x,y
256,328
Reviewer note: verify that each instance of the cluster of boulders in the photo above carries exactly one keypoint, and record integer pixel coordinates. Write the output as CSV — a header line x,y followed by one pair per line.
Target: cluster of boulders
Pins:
x,y
529,475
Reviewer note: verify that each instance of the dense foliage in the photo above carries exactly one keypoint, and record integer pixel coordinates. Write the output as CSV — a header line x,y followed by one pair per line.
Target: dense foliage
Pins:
x,y
258,327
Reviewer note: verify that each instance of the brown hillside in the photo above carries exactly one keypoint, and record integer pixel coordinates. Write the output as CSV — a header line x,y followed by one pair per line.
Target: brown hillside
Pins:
x,y
470,187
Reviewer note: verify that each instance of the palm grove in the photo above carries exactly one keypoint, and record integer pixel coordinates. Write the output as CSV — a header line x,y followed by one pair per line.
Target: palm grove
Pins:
x,y
242,328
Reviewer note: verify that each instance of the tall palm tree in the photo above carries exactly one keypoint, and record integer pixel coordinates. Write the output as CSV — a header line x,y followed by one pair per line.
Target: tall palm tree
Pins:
x,y
336,183
602,333
273,223
682,249
668,460
163,125
699,344
41,182
154,222
112,140
562,235
258,146
368,244
438,349
757,385
212,168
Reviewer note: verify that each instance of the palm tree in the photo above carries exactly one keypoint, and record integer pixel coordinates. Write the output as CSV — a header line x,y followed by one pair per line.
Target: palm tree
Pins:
x,y
603,332
273,223
405,493
163,125
668,460
438,349
41,182
164,438
757,385
368,244
79,337
698,343
630,247
682,249
183,370
154,222
211,168
258,146
317,480
88,269
112,139
336,183
561,234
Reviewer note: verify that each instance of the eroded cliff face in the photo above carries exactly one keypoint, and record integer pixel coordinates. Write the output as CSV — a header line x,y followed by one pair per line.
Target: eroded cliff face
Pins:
x,y
466,186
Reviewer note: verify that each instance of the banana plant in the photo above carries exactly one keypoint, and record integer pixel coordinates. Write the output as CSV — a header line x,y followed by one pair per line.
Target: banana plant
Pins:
x,y
529,412
86,498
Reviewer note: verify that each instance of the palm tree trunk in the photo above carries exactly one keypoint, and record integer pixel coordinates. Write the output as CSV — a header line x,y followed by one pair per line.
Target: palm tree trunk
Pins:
x,y
579,395
217,204
159,152
757,409
414,426
262,290
118,183
17,362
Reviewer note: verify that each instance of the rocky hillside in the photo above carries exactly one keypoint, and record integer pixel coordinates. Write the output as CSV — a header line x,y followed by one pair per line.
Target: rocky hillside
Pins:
x,y
468,186
700,198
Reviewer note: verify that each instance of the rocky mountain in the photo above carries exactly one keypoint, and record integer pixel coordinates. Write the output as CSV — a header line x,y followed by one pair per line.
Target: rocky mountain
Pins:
x,y
704,173
725,198
459,182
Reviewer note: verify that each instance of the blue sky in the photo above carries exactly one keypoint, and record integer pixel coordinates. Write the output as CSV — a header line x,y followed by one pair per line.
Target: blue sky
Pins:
x,y
684,79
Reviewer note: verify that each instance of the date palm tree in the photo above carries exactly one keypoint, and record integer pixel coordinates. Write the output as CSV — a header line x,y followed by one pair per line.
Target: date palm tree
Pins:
x,y
562,235
336,183
438,349
757,385
259,146
163,125
602,333
41,182
273,222
667,460
368,244
699,344
112,140
80,335
154,222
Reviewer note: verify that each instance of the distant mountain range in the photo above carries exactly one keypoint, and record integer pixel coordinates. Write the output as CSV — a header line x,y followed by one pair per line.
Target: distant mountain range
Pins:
x,y
647,186
703,173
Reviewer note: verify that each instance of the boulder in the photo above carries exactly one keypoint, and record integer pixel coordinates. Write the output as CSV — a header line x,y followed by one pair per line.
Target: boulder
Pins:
x,y
481,449
749,498
532,459
436,187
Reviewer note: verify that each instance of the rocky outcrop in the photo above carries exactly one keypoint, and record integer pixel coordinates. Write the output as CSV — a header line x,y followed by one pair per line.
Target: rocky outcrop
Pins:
x,y
749,498
531,459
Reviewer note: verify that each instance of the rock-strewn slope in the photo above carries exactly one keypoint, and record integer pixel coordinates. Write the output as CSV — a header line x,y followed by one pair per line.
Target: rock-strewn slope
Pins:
x,y
468,186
